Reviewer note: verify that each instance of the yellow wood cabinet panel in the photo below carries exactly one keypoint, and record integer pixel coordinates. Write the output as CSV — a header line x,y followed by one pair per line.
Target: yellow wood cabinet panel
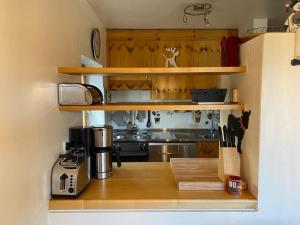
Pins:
x,y
144,48
129,54
207,53
207,149
172,87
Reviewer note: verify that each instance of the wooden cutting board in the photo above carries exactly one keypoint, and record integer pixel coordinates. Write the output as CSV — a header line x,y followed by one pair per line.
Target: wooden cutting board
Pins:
x,y
196,174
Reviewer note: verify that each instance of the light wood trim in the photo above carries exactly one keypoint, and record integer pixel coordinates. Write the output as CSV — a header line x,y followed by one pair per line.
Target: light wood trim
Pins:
x,y
154,106
167,34
152,71
137,186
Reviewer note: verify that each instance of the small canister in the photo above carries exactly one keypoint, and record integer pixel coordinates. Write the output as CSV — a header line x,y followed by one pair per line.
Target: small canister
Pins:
x,y
234,95
235,185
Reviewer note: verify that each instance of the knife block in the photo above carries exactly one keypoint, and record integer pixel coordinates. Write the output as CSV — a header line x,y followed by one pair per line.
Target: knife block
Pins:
x,y
229,163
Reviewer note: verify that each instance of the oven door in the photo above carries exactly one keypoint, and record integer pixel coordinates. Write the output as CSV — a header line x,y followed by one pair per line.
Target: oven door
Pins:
x,y
162,152
132,151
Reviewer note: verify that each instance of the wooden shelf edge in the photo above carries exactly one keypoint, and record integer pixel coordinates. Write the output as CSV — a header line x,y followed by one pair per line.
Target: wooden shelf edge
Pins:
x,y
154,106
110,71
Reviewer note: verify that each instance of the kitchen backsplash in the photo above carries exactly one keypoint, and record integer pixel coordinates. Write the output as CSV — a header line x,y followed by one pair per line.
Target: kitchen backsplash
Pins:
x,y
159,119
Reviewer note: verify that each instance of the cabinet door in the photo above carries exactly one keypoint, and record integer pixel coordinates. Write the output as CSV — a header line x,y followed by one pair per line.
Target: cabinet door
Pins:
x,y
172,87
207,149
206,53
129,54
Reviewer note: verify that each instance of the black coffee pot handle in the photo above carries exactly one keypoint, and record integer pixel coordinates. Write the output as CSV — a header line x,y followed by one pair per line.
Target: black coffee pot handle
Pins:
x,y
118,156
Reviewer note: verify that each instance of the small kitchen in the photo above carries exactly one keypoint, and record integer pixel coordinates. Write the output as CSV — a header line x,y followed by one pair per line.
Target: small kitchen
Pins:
x,y
165,122
154,112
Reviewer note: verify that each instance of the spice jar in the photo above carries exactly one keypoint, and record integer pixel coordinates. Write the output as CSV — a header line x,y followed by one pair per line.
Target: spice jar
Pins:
x,y
234,95
235,185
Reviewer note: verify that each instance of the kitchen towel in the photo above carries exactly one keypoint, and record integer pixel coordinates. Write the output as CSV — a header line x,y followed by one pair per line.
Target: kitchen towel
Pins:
x,y
230,51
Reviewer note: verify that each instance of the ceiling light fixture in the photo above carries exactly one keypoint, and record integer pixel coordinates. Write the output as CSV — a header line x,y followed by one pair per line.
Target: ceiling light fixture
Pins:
x,y
197,9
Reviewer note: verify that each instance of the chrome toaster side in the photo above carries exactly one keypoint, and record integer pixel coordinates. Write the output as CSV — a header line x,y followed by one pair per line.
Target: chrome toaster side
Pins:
x,y
79,94
69,178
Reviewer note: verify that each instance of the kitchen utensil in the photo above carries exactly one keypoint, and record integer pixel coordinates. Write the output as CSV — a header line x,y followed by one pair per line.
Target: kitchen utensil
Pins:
x,y
198,116
229,163
79,94
231,138
138,116
225,136
228,138
220,136
134,118
102,152
71,173
149,119
196,174
157,120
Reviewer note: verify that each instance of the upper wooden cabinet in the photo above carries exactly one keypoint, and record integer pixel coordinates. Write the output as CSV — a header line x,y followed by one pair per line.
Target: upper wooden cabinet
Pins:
x,y
172,87
145,48
206,53
129,54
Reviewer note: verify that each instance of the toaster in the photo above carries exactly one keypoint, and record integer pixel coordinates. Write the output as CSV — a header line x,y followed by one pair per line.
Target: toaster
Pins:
x,y
79,94
70,175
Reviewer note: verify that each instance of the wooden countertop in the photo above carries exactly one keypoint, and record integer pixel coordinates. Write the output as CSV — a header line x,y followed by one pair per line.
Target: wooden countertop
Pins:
x,y
151,186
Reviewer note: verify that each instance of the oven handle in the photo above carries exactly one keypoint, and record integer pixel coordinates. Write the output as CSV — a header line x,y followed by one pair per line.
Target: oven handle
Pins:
x,y
170,143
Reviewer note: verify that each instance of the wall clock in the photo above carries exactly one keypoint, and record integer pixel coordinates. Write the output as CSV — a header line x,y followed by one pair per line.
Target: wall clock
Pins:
x,y
96,43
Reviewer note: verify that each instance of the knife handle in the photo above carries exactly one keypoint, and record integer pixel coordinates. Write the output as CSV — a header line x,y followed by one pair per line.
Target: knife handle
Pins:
x,y
225,136
229,138
220,137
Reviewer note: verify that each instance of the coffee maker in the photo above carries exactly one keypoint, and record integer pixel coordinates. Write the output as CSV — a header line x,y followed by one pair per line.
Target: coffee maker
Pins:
x,y
102,152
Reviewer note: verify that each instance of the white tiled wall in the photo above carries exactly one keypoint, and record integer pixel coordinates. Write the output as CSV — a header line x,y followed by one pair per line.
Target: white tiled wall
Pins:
x,y
168,119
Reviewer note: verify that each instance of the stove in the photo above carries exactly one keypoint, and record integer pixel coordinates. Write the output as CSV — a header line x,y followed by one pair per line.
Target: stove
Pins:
x,y
159,144
133,145
131,136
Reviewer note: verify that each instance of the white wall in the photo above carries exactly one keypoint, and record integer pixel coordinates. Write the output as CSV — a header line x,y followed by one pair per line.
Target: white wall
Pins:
x,y
36,36
279,179
249,86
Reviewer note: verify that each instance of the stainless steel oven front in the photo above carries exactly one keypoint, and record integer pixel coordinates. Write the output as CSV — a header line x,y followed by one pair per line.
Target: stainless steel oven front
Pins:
x,y
162,152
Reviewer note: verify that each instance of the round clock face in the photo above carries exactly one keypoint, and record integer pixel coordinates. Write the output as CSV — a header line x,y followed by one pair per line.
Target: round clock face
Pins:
x,y
96,43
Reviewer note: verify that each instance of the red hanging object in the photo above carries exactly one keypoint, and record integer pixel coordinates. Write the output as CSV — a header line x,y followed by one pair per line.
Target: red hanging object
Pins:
x,y
230,51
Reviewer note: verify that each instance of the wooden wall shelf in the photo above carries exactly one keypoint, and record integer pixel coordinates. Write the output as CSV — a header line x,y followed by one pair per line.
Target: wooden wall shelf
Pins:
x,y
153,106
116,71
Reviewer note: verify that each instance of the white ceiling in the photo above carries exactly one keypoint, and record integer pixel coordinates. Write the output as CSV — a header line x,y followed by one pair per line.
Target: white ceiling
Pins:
x,y
163,14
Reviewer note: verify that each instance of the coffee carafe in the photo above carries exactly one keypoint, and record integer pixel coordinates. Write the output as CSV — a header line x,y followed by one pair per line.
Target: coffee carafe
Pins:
x,y
102,152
